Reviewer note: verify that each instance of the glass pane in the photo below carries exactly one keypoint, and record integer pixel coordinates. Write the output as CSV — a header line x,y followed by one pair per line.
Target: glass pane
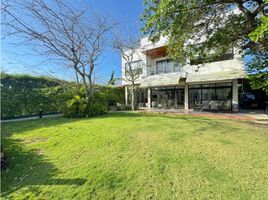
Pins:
x,y
177,67
170,66
223,84
223,94
194,86
208,85
195,98
208,94
179,95
160,67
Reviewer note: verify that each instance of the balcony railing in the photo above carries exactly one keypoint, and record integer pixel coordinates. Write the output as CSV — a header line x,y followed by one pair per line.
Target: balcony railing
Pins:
x,y
153,69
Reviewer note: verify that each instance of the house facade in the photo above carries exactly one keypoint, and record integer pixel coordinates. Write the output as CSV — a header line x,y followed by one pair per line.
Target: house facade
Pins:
x,y
166,84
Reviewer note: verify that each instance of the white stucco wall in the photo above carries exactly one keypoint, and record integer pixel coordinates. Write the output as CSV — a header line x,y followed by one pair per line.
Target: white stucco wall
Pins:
x,y
213,67
146,44
138,55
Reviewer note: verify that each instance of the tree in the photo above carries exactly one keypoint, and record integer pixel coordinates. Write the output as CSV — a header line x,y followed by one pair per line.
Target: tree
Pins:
x,y
112,79
257,74
127,47
59,31
195,27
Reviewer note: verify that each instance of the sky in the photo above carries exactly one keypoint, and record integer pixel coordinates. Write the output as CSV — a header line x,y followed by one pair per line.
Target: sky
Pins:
x,y
21,59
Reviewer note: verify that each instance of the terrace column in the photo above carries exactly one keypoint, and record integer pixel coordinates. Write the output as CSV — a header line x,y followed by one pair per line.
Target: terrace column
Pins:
x,y
235,95
126,96
149,97
186,98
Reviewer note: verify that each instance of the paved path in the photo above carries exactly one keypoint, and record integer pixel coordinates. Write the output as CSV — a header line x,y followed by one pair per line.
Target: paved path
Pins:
x,y
257,116
30,118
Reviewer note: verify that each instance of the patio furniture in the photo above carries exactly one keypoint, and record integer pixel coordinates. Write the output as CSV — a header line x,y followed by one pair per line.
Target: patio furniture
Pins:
x,y
154,104
227,105
170,103
205,105
198,105
214,105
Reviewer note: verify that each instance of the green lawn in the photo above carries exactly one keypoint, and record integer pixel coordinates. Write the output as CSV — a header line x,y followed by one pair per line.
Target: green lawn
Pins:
x,y
135,156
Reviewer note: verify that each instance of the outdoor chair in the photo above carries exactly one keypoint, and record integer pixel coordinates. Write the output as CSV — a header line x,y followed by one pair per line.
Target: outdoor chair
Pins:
x,y
214,105
205,105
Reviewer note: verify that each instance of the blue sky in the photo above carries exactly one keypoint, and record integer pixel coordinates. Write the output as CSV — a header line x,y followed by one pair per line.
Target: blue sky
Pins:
x,y
20,59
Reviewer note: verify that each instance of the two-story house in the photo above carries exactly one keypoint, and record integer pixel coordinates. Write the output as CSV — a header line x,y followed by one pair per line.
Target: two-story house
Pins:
x,y
167,84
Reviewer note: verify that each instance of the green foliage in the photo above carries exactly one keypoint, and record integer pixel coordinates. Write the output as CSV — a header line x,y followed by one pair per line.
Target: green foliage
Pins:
x,y
257,70
25,95
197,28
193,20
261,31
99,104
75,107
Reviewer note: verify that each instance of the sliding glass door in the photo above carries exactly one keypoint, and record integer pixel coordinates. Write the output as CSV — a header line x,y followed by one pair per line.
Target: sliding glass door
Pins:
x,y
211,96
167,97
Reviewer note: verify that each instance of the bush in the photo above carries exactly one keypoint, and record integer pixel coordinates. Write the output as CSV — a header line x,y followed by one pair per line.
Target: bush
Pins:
x,y
24,95
97,109
79,107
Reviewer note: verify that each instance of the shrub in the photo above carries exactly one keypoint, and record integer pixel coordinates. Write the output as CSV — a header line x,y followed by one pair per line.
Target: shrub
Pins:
x,y
78,106
25,95
97,108
75,107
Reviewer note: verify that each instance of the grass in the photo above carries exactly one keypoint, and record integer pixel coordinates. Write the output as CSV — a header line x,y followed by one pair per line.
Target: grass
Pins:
x,y
135,156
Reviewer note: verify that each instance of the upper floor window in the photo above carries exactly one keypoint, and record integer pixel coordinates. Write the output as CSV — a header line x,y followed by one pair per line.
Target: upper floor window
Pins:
x,y
135,66
229,55
166,66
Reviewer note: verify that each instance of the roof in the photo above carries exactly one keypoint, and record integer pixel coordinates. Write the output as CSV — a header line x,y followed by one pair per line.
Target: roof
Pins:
x,y
216,76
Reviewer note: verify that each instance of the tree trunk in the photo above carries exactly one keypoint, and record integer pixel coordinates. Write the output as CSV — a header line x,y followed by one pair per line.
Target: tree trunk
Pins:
x,y
91,85
86,86
133,107
77,81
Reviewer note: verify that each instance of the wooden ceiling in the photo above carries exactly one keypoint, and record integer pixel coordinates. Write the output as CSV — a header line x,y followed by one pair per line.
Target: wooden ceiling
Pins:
x,y
157,52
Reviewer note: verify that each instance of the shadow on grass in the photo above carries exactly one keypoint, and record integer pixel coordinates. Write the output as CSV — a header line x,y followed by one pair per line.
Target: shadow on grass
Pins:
x,y
28,168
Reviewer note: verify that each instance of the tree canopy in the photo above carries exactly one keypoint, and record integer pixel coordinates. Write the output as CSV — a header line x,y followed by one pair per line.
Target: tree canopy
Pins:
x,y
198,27
206,24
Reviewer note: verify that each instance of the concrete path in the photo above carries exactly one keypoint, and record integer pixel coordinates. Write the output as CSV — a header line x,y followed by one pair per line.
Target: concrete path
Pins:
x,y
30,118
256,116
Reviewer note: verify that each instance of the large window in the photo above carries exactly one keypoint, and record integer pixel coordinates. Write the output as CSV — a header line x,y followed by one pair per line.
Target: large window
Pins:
x,y
167,97
229,55
135,66
165,66
211,96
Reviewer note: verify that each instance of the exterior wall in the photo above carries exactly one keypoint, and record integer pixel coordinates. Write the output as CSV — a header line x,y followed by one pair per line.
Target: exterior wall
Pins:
x,y
235,102
146,44
186,70
219,66
138,55
149,98
126,96
186,97
213,67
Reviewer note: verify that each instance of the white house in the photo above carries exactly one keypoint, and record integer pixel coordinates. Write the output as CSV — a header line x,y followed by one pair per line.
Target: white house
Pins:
x,y
167,84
